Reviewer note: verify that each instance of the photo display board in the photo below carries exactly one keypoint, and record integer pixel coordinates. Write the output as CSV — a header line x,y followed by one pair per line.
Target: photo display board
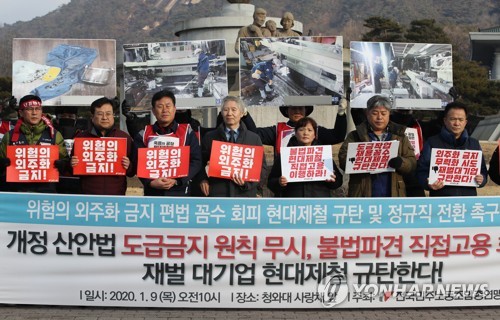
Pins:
x,y
412,75
291,71
195,71
67,72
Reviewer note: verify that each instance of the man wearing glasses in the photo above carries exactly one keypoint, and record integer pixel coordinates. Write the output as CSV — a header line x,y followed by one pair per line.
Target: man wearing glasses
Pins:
x,y
103,126
32,128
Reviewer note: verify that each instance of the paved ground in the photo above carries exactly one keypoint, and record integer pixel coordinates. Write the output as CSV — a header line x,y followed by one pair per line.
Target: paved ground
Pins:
x,y
86,313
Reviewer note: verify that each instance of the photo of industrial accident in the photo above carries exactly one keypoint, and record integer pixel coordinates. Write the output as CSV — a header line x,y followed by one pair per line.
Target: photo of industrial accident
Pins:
x,y
64,71
291,71
196,71
412,75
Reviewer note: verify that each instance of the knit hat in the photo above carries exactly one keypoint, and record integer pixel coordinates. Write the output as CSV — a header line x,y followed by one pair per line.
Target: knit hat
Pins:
x,y
284,110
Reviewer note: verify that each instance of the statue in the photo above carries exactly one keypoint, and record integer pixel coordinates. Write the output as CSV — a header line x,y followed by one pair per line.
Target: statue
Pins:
x,y
287,22
271,26
255,29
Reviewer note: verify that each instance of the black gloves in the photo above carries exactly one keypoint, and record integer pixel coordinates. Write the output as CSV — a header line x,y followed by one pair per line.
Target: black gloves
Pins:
x,y
126,111
453,92
60,165
395,162
12,102
4,163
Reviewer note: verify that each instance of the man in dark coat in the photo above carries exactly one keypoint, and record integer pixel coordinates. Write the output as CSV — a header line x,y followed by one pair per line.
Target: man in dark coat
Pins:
x,y
103,123
232,130
452,136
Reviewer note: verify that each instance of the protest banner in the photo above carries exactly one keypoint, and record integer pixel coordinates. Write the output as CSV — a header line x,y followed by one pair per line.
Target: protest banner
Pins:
x,y
228,159
34,163
307,163
171,162
249,253
370,157
412,135
455,167
100,156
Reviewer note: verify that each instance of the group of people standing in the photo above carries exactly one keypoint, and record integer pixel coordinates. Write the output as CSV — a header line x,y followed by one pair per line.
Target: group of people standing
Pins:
x,y
176,128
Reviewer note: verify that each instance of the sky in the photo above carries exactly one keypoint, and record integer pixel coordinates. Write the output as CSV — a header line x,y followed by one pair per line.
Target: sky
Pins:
x,y
24,10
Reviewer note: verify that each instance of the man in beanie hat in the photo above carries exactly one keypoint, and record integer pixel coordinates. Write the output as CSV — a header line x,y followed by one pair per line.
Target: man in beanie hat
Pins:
x,y
33,128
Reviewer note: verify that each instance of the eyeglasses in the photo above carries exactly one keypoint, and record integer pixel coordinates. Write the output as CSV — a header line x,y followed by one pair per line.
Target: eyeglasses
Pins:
x,y
31,109
102,114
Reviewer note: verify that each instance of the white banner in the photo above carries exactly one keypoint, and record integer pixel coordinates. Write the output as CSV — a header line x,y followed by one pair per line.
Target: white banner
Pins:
x,y
455,167
249,253
370,157
307,163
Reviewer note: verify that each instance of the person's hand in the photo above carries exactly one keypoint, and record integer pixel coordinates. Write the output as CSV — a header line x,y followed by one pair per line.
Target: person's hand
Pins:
x,y
332,178
453,92
342,107
125,162
348,93
205,187
283,182
479,179
13,102
126,110
74,161
436,185
396,162
4,163
238,180
60,165
163,183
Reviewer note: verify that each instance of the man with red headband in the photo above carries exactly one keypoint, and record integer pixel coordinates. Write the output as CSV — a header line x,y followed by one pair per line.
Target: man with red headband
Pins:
x,y
33,128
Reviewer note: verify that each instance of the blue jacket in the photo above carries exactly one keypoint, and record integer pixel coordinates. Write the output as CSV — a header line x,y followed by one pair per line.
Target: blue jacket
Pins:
x,y
204,62
266,69
72,61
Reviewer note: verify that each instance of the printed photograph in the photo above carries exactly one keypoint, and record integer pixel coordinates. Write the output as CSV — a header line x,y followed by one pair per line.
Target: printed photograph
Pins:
x,y
291,71
64,71
412,75
196,71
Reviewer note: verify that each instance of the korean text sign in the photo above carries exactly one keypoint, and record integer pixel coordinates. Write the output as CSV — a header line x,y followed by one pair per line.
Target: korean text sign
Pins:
x,y
248,253
412,134
455,167
32,163
170,162
100,156
371,157
228,159
307,163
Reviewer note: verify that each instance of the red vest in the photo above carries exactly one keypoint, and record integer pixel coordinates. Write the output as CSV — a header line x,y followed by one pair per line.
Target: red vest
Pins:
x,y
181,133
283,134
5,127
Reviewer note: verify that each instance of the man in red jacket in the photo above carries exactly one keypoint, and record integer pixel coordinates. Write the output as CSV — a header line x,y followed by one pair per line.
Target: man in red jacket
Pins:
x,y
103,122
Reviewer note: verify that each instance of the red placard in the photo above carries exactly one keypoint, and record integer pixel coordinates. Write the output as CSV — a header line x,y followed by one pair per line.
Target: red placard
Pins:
x,y
168,162
100,156
32,163
227,159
